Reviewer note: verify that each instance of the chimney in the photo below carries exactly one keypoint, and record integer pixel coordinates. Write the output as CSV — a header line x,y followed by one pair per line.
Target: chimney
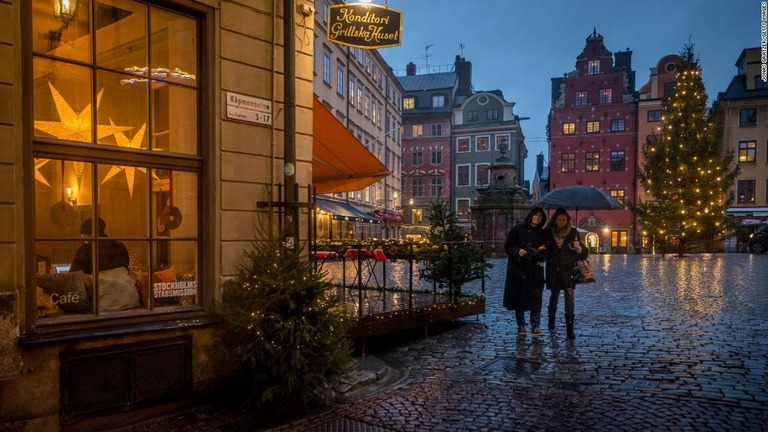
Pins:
x,y
410,69
540,163
463,70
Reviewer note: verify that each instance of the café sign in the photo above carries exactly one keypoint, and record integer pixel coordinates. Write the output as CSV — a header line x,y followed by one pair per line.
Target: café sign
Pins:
x,y
364,25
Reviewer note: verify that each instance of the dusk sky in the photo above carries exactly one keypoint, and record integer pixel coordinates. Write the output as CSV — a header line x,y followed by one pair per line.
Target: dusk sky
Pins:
x,y
516,46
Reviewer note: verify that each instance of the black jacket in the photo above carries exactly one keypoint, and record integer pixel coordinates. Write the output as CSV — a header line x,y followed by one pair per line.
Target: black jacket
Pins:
x,y
112,254
562,260
523,273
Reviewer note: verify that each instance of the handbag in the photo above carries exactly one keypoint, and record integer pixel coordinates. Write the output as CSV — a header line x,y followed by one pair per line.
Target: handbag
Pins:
x,y
582,272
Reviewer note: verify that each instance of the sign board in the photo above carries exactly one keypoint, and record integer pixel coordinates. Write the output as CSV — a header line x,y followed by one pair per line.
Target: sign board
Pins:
x,y
364,25
248,109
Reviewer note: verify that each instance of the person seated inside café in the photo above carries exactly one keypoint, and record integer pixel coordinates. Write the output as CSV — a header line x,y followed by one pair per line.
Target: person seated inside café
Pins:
x,y
112,253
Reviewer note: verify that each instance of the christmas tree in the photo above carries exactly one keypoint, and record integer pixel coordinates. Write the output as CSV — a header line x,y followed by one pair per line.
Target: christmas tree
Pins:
x,y
451,260
684,170
285,330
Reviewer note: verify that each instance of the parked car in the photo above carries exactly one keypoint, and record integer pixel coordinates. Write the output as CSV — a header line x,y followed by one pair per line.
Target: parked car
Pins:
x,y
758,241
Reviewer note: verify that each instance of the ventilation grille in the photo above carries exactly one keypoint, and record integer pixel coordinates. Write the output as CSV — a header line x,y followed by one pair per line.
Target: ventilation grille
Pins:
x,y
125,377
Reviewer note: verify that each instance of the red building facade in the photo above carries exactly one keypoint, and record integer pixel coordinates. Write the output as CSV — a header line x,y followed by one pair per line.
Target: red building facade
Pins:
x,y
593,137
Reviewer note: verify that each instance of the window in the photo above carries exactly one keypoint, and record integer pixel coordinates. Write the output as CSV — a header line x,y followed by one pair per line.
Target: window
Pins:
x,y
359,97
482,174
568,162
618,162
462,145
654,116
618,194
340,80
151,259
592,160
417,130
582,98
417,157
593,67
747,151
417,187
352,90
367,105
409,103
493,114
669,88
745,191
462,175
482,143
436,157
326,68
593,126
606,96
437,130
435,186
618,125
502,139
462,208
748,117
569,128
438,101
472,116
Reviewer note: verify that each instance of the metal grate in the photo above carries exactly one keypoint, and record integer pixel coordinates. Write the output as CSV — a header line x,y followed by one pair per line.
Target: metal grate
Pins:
x,y
347,425
520,367
120,378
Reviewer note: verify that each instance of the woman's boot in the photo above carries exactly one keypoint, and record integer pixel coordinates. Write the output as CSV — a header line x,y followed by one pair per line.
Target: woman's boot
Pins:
x,y
569,327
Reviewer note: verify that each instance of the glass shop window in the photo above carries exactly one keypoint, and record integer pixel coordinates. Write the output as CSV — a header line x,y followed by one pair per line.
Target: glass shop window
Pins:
x,y
117,212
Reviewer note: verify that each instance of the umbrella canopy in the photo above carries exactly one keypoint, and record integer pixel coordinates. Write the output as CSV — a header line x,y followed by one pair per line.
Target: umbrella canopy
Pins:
x,y
579,198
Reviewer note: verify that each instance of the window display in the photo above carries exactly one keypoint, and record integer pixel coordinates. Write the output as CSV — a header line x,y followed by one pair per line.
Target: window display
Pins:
x,y
117,159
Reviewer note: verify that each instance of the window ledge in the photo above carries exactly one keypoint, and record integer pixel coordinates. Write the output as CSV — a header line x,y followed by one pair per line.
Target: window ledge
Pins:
x,y
50,336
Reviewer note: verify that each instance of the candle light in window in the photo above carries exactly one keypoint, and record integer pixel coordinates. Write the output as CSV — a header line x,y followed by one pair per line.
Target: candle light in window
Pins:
x,y
71,198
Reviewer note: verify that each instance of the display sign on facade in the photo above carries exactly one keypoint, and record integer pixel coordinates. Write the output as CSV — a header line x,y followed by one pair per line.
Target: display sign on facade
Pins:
x,y
248,109
364,25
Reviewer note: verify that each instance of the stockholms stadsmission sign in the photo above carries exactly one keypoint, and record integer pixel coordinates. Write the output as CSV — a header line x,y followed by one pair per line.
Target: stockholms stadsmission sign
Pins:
x,y
364,25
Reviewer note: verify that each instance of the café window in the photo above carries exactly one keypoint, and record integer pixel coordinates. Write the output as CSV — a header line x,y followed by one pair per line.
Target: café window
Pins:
x,y
117,215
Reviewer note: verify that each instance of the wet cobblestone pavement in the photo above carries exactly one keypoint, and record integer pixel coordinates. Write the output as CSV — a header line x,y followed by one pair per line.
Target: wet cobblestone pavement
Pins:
x,y
663,344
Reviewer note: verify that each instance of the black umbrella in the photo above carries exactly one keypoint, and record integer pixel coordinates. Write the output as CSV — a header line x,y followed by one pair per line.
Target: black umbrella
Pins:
x,y
579,198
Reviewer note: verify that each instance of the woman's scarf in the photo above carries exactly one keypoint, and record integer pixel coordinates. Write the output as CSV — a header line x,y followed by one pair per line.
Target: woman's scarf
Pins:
x,y
560,234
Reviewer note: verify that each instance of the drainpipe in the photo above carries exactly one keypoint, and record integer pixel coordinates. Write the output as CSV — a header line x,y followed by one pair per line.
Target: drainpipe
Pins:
x,y
291,213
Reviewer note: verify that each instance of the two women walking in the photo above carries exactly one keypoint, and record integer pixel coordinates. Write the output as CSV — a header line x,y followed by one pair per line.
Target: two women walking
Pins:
x,y
530,247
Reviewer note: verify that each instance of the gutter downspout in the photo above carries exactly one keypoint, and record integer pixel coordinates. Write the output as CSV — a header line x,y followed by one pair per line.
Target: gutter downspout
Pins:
x,y
291,211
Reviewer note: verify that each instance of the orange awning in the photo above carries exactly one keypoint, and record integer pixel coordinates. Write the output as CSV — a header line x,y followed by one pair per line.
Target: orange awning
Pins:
x,y
340,163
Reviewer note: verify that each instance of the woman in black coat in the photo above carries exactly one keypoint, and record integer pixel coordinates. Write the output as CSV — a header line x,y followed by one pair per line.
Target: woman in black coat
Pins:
x,y
564,248
524,283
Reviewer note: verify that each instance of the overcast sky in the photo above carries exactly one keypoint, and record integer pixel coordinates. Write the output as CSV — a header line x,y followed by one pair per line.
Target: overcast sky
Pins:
x,y
516,46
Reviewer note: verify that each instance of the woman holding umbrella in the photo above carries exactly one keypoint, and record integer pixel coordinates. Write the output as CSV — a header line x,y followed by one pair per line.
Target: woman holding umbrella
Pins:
x,y
564,248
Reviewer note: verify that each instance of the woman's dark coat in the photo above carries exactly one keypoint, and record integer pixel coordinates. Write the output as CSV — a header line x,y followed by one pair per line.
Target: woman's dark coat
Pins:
x,y
523,273
562,260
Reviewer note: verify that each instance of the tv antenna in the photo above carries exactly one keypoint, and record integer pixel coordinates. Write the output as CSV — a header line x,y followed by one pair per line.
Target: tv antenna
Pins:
x,y
427,55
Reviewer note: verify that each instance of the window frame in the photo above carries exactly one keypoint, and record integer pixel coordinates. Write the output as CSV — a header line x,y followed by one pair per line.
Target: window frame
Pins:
x,y
593,126
605,96
468,141
618,125
567,162
487,173
459,168
326,68
409,103
742,186
616,163
581,98
438,101
749,152
98,153
750,119
569,128
593,67
592,161
483,138
654,115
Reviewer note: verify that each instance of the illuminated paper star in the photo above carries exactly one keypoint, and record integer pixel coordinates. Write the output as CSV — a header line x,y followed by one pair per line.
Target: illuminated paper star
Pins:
x,y
130,171
38,175
75,126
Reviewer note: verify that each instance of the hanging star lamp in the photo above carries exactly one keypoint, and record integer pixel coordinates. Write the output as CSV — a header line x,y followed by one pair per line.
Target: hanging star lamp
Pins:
x,y
39,163
74,126
130,171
